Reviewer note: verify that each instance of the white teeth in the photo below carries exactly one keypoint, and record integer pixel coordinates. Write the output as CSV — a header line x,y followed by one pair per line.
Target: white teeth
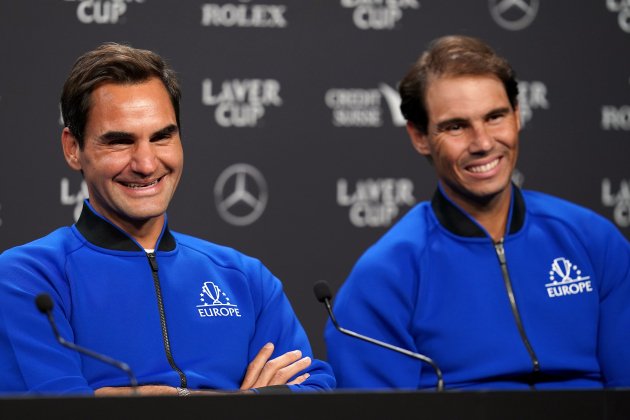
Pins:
x,y
484,168
142,185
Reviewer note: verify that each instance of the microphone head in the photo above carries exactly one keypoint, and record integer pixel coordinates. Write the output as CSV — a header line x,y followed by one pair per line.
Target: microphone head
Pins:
x,y
44,303
322,291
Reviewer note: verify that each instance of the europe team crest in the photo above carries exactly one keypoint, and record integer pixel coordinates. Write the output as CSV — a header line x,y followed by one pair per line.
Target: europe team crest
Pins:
x,y
215,302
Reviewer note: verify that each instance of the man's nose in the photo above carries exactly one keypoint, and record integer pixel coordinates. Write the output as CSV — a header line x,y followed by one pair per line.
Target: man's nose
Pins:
x,y
144,159
482,139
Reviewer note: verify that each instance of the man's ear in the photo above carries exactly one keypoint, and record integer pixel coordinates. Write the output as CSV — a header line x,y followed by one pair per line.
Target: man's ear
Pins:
x,y
419,140
517,114
71,150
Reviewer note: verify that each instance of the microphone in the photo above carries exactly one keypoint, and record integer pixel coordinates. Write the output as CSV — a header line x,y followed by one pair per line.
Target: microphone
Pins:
x,y
45,305
323,294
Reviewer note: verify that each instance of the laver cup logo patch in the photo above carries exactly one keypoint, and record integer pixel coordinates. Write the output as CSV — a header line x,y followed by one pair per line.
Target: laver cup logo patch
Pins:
x,y
567,279
215,303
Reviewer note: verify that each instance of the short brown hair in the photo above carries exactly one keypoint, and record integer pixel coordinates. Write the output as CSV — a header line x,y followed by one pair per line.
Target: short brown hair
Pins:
x,y
111,63
453,55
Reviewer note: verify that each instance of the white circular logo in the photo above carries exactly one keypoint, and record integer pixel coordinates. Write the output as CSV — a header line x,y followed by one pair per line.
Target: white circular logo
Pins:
x,y
513,15
241,194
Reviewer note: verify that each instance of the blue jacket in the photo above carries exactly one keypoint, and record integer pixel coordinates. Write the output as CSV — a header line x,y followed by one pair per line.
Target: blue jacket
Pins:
x,y
193,314
547,307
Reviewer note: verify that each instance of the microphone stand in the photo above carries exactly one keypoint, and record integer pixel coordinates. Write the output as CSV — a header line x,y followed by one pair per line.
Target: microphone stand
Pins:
x,y
44,304
429,361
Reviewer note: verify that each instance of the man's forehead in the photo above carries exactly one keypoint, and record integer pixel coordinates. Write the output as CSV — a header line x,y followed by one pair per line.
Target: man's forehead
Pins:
x,y
111,93
465,91
115,106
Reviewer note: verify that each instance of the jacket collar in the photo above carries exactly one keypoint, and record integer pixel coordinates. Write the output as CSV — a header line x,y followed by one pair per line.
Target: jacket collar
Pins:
x,y
460,223
99,231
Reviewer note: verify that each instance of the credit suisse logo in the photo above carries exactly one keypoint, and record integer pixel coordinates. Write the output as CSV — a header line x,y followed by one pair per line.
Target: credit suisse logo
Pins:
x,y
360,107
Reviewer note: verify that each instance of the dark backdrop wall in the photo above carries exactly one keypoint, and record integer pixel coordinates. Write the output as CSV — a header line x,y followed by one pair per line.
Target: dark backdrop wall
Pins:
x,y
295,149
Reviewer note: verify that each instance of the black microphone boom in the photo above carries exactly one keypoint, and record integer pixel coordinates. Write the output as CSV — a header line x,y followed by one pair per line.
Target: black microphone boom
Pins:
x,y
323,294
45,305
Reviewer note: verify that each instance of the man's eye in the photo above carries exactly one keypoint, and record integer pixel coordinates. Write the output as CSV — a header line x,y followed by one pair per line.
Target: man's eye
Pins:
x,y
120,142
495,117
161,137
455,127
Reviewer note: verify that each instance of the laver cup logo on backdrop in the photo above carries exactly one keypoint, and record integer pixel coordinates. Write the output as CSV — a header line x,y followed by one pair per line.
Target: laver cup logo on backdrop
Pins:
x,y
513,15
378,14
364,107
622,7
244,15
75,200
375,202
240,103
531,96
619,200
241,194
102,11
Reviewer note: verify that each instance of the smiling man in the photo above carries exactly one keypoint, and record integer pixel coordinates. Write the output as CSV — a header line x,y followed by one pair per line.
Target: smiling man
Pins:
x,y
502,288
187,316
131,156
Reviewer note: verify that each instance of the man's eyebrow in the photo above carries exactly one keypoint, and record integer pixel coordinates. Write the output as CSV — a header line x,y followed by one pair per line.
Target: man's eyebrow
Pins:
x,y
165,132
123,135
116,135
502,110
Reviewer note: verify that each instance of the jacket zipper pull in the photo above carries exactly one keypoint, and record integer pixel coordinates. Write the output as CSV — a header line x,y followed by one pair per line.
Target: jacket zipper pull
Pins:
x,y
500,251
152,261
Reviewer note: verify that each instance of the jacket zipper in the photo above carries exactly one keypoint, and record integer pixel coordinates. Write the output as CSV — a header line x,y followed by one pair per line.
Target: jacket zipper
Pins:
x,y
167,345
500,250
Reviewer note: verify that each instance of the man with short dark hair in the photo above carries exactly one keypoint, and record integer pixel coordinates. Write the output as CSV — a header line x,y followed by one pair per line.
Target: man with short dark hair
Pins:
x,y
186,315
502,288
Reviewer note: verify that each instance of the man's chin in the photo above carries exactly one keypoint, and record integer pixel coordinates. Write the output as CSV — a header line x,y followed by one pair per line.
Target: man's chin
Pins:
x,y
139,218
487,196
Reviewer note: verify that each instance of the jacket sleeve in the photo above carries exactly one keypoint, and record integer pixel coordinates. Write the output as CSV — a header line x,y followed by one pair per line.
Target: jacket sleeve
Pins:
x,y
377,301
33,361
614,314
278,323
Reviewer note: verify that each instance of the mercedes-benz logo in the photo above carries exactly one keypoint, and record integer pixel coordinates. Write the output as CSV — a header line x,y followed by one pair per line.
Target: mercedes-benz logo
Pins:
x,y
241,194
513,15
